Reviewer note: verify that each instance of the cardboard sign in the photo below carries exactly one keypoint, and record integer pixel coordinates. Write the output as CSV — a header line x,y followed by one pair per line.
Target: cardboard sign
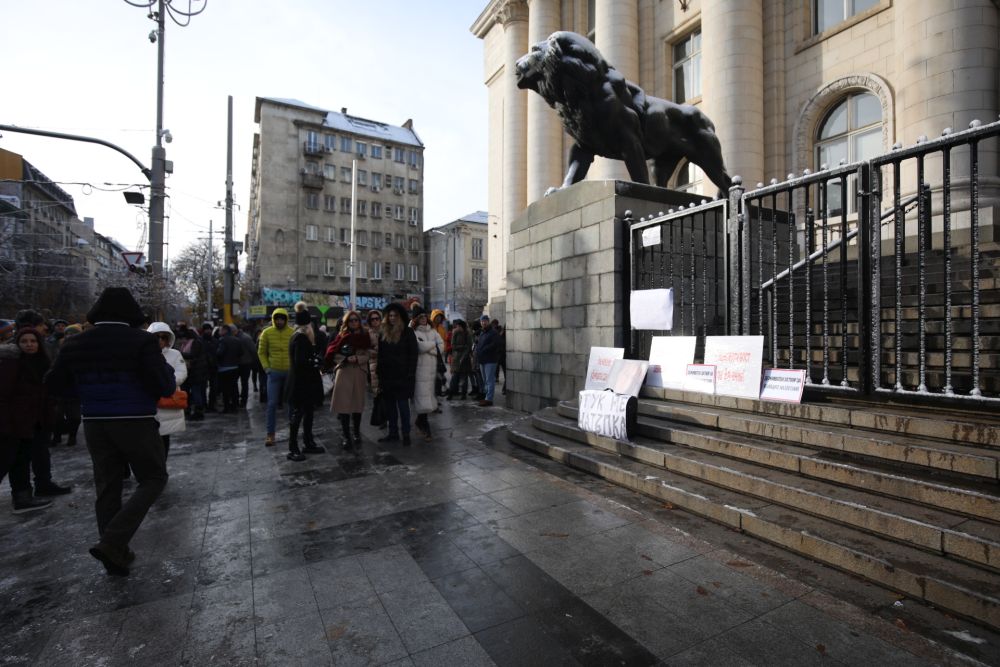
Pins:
x,y
738,364
668,360
652,309
601,361
607,413
783,384
699,378
627,375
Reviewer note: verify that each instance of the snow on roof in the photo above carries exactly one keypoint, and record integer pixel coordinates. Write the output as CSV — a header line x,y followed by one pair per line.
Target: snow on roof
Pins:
x,y
344,122
481,217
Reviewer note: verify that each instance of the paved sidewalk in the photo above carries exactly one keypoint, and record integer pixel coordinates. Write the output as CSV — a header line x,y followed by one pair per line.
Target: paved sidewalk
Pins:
x,y
453,552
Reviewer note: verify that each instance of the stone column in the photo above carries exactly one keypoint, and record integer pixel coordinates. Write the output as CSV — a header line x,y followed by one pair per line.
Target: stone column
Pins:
x,y
545,155
732,66
513,16
616,35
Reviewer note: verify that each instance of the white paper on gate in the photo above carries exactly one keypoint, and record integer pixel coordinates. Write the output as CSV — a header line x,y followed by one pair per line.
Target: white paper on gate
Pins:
x,y
668,360
737,361
652,309
627,375
599,368
651,236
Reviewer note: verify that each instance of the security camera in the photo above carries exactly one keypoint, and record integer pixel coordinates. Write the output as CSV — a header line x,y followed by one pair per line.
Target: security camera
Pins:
x,y
167,137
152,37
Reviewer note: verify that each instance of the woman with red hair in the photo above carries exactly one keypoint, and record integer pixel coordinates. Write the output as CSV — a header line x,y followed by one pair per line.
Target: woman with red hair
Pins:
x,y
348,355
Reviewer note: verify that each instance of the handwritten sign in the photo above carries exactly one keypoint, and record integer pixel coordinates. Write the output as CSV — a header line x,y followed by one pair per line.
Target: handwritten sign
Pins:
x,y
668,360
783,384
738,363
627,375
607,413
599,368
699,378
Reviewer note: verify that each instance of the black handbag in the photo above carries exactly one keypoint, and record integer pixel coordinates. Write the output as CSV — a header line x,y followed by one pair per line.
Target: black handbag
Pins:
x,y
379,416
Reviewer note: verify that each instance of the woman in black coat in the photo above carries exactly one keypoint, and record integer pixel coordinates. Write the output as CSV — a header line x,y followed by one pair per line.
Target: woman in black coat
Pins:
x,y
303,388
397,371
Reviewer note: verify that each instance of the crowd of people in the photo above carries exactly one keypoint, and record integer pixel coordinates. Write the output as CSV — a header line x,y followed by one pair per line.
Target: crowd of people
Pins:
x,y
132,384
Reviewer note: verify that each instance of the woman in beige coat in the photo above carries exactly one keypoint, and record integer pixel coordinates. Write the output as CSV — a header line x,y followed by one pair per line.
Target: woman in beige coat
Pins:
x,y
347,354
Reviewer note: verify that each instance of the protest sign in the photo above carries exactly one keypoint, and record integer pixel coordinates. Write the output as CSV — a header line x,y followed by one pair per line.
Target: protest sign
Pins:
x,y
668,360
784,385
699,378
627,375
738,364
652,309
601,360
607,413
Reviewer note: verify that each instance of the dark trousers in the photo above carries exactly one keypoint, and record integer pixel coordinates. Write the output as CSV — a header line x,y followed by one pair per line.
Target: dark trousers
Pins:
x,y
302,415
41,458
15,458
459,385
214,388
398,412
230,390
113,445
67,418
197,391
30,454
245,370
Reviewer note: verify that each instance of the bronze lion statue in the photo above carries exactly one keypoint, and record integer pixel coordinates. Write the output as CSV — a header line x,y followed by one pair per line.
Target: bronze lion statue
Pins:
x,y
609,116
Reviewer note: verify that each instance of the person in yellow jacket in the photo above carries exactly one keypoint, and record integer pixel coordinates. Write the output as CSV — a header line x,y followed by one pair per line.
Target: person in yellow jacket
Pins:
x,y
272,349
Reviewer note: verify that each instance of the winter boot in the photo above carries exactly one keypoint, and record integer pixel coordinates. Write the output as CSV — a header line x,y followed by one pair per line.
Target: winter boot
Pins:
x,y
345,431
293,443
25,502
356,418
406,440
310,444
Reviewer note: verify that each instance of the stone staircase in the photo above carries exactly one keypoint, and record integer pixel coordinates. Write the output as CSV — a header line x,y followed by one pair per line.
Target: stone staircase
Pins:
x,y
903,498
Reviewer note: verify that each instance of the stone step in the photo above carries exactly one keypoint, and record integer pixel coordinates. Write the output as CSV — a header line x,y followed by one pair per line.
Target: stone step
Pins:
x,y
934,579
975,462
969,428
770,473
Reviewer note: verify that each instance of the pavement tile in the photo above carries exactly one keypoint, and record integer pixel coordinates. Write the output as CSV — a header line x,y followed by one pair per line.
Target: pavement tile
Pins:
x,y
390,568
524,642
283,595
708,653
339,581
153,629
465,651
482,545
533,497
422,616
763,644
361,633
729,584
485,508
294,641
477,600
649,546
527,584
279,553
224,565
84,640
437,556
574,519
591,638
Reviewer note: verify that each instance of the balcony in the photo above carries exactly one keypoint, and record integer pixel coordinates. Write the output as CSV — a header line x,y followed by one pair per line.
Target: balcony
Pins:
x,y
312,181
313,149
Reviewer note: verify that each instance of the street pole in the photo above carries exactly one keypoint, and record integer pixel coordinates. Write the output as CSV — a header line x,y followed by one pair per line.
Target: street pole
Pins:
x,y
208,318
354,216
158,181
227,294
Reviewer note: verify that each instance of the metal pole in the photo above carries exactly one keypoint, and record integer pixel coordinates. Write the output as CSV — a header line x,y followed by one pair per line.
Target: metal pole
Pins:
x,y
158,180
208,315
227,293
354,217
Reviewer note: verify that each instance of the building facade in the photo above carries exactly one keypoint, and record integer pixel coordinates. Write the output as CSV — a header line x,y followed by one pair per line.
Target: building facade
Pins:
x,y
457,266
299,229
790,85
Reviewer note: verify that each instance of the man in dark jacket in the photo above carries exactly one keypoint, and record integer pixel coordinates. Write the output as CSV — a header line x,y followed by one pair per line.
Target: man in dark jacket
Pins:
x,y
189,344
119,374
211,346
248,355
228,353
487,355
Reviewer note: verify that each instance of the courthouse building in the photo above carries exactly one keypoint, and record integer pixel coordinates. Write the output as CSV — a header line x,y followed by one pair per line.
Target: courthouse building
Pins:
x,y
299,230
790,84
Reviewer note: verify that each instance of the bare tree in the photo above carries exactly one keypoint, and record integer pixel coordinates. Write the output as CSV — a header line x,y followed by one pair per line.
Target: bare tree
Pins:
x,y
190,273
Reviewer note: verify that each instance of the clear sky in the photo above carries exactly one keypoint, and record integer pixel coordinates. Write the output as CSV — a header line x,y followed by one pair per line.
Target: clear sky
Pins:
x,y
88,67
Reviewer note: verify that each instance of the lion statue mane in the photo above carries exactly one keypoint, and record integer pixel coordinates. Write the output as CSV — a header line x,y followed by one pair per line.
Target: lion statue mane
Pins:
x,y
609,116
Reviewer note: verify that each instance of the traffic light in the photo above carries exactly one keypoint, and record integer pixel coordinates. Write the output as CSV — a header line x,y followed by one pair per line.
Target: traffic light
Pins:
x,y
216,313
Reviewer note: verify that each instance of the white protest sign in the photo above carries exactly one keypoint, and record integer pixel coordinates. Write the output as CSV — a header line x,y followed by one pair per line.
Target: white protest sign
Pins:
x,y
738,364
652,309
668,360
627,375
651,236
699,378
606,413
601,360
783,384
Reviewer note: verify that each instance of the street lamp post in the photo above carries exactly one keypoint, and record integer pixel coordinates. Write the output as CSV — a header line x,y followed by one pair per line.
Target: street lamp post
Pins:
x,y
157,191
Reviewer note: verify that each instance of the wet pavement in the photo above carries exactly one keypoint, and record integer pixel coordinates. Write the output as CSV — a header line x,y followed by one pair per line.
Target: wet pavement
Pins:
x,y
460,551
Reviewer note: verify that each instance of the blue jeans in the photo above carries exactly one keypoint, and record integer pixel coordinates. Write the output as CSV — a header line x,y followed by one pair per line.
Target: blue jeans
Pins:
x,y
489,379
275,392
197,391
398,407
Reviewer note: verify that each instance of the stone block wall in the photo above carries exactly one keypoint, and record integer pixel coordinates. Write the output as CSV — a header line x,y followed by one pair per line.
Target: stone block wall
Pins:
x,y
565,284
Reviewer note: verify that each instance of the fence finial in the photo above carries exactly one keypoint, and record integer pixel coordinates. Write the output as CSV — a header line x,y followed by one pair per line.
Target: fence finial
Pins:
x,y
975,123
896,146
759,184
946,131
774,181
737,180
922,139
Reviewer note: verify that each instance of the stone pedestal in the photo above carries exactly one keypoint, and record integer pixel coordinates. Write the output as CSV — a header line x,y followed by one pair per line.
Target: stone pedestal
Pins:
x,y
565,284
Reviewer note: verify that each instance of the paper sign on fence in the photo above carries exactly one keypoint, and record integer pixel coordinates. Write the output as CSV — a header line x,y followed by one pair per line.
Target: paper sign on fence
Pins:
x,y
601,360
738,364
783,384
652,309
668,360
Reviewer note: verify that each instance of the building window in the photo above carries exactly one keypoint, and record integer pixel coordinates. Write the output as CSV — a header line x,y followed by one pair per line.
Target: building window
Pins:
x,y
414,243
398,183
376,209
361,148
345,204
478,279
376,271
399,155
376,240
400,271
398,212
851,131
414,216
330,142
362,269
312,266
362,207
388,210
388,240
331,267
361,237
312,141
345,174
345,234
347,268
376,151
414,159
330,172
362,177
376,181
312,200
329,203
414,273
312,167
414,186
331,234
312,233
828,13
687,68
400,242
689,178
477,248
345,144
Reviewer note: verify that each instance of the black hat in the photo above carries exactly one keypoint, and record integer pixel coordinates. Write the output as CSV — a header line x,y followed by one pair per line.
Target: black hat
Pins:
x,y
397,308
302,318
116,304
416,311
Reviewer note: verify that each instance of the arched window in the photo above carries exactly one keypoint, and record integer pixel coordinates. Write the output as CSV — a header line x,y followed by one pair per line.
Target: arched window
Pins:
x,y
850,132
689,178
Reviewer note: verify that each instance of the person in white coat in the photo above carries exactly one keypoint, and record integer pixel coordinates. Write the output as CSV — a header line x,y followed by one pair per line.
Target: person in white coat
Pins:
x,y
429,346
171,420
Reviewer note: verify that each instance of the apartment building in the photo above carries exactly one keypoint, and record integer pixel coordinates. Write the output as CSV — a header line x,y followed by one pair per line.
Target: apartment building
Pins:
x,y
457,266
299,230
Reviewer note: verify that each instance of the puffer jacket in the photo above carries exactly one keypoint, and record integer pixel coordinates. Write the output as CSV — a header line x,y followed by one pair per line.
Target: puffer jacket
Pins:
x,y
171,420
117,371
272,348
